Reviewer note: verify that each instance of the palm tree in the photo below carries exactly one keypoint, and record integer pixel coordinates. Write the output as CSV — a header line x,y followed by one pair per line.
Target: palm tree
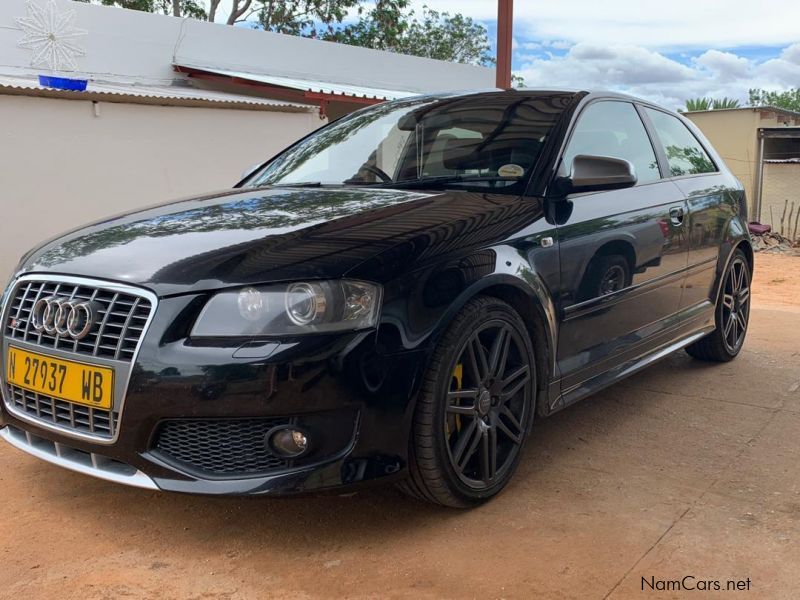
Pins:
x,y
697,104
724,103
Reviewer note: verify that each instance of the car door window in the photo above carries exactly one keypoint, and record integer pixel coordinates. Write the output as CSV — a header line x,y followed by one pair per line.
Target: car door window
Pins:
x,y
684,153
614,129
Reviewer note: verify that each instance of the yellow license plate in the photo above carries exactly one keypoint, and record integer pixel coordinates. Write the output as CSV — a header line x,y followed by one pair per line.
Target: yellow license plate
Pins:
x,y
66,380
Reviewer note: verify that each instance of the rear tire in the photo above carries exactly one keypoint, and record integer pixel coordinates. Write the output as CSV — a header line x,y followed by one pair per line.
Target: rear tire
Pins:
x,y
732,315
475,408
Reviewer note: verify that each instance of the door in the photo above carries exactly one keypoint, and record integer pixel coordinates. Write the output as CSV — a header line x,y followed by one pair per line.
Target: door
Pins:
x,y
623,253
705,188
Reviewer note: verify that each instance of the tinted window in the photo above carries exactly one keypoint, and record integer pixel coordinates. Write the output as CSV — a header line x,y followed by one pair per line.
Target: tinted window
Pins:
x,y
489,142
684,153
614,129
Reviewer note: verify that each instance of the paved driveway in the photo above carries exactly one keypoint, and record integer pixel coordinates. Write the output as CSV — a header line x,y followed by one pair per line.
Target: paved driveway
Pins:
x,y
687,469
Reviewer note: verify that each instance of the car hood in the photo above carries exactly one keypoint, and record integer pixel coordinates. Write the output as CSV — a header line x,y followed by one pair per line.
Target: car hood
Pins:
x,y
240,237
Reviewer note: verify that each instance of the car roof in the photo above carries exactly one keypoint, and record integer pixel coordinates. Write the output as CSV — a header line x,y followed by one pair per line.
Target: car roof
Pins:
x,y
586,93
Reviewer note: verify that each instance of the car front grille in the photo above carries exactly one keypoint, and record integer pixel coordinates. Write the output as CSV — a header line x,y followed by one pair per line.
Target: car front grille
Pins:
x,y
120,322
221,447
122,314
84,419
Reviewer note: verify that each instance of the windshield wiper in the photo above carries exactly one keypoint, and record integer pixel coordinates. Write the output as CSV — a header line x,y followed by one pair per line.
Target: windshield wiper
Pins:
x,y
424,182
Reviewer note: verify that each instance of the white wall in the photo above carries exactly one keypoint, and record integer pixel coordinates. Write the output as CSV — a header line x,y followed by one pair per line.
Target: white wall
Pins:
x,y
61,166
132,46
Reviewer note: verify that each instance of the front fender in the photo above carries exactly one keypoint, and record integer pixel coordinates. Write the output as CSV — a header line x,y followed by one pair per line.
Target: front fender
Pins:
x,y
419,307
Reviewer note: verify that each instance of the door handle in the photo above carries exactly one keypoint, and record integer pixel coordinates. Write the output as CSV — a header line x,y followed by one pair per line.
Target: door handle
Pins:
x,y
676,215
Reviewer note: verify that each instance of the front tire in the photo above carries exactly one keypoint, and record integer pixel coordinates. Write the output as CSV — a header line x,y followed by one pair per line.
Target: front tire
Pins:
x,y
732,315
475,408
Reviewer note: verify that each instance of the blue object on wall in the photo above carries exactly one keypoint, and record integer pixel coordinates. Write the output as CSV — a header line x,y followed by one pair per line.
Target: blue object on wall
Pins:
x,y
63,83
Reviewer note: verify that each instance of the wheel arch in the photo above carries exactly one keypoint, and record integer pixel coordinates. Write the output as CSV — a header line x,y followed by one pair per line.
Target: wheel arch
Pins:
x,y
736,238
543,340
529,296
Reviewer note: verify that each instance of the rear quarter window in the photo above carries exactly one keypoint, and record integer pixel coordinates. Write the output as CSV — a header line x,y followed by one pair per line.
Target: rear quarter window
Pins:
x,y
685,154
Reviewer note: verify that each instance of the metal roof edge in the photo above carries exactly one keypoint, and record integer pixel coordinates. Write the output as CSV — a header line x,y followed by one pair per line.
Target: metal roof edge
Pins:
x,y
776,109
147,95
304,84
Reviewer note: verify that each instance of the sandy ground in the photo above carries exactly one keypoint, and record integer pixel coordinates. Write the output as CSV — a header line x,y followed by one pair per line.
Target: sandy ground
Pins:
x,y
687,469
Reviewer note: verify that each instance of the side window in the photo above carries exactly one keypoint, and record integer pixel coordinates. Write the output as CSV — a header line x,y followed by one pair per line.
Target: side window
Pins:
x,y
614,129
684,153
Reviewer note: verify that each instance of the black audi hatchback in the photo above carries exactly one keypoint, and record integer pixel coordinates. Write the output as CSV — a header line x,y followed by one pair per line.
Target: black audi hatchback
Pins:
x,y
397,297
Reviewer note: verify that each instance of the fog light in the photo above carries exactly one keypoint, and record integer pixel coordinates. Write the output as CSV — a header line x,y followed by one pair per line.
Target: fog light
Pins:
x,y
286,442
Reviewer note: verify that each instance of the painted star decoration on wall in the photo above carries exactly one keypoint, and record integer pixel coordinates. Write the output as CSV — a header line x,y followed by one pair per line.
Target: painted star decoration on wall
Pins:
x,y
52,35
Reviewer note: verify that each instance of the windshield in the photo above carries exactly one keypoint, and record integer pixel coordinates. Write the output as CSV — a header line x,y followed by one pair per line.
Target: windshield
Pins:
x,y
490,142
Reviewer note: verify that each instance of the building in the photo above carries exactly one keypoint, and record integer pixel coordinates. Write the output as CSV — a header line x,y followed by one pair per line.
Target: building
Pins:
x,y
762,148
173,107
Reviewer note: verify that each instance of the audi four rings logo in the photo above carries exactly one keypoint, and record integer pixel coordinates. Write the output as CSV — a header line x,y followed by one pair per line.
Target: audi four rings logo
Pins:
x,y
62,316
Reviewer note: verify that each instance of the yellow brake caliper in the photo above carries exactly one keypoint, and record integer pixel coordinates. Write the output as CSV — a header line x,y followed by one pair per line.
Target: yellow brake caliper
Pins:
x,y
458,375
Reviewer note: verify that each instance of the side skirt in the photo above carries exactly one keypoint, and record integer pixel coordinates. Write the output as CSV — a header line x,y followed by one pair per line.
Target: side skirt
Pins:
x,y
665,344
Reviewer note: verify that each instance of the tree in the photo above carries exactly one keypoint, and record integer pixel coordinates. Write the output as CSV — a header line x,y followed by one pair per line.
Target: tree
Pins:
x,y
308,18
724,103
383,24
698,104
238,9
178,8
788,99
391,25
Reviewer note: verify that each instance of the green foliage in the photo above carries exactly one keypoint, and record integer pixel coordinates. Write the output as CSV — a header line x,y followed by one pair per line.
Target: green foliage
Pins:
x,y
383,24
189,8
724,103
687,161
695,104
308,18
788,99
391,25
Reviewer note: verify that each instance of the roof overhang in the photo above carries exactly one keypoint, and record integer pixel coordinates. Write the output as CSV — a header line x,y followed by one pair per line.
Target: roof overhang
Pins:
x,y
150,94
297,90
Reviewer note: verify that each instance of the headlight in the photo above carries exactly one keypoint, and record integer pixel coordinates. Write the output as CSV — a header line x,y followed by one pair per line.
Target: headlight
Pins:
x,y
290,309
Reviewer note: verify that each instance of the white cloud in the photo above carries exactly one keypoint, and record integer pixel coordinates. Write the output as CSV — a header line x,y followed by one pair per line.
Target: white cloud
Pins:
x,y
791,54
667,25
622,44
724,66
649,74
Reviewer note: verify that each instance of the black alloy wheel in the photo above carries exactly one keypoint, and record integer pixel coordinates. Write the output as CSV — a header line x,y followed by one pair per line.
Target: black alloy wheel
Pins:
x,y
735,307
732,315
476,407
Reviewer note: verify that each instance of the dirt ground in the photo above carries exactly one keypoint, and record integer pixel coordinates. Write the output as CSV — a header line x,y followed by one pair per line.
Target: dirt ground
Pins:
x,y
686,469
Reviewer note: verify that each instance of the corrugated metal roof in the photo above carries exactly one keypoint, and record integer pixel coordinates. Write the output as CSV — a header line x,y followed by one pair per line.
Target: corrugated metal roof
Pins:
x,y
306,85
150,94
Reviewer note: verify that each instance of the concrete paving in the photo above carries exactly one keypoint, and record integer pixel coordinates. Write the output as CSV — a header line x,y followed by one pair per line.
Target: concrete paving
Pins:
x,y
686,469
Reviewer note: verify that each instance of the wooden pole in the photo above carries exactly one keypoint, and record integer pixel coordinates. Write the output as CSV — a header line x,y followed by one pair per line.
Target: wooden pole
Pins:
x,y
505,24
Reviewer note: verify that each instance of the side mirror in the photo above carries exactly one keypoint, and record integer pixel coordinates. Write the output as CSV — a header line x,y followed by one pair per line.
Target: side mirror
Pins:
x,y
596,173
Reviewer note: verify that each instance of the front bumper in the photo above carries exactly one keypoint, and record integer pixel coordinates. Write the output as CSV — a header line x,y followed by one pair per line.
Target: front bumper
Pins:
x,y
354,402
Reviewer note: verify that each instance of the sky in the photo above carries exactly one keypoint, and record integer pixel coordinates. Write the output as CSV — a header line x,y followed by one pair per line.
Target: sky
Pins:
x,y
665,52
